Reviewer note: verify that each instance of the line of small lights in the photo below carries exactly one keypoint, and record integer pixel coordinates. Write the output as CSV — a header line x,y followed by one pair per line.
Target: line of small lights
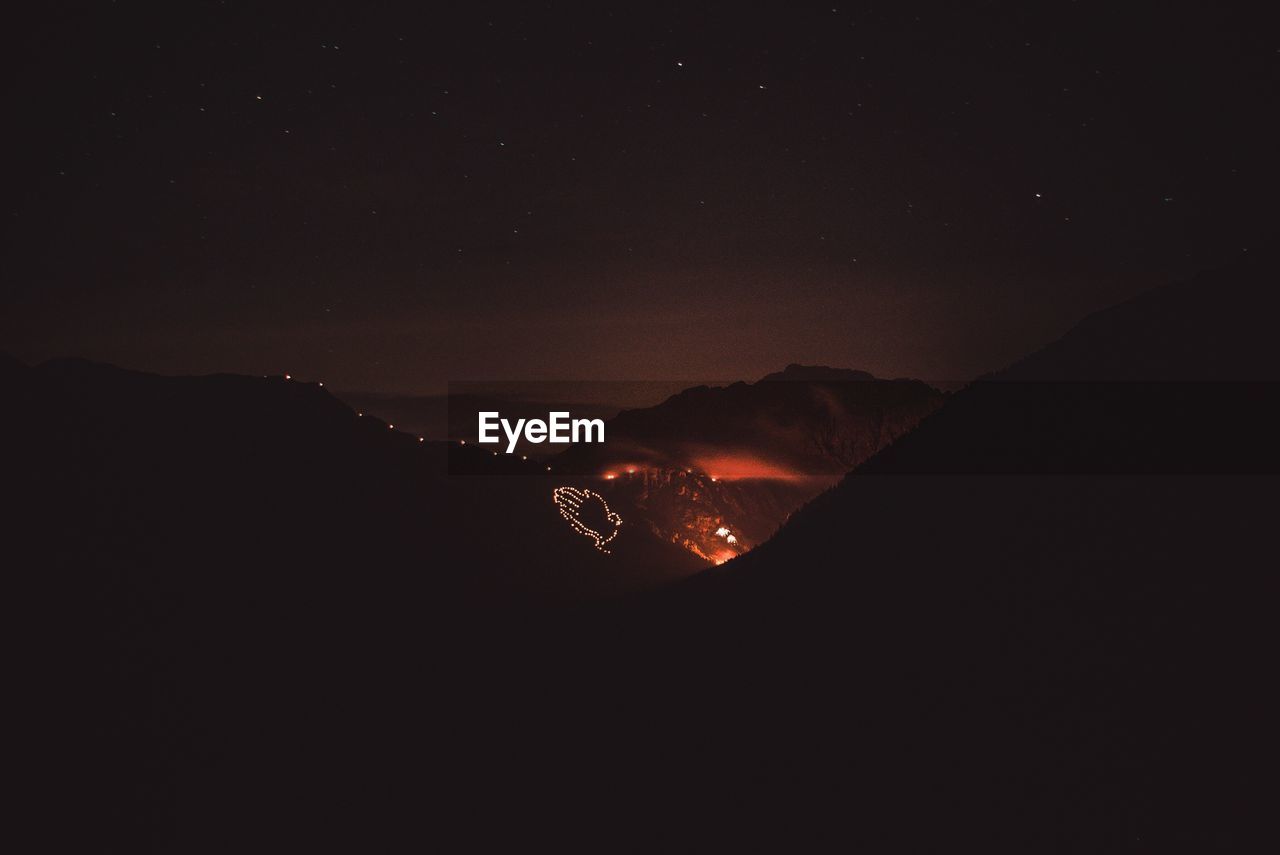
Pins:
x,y
569,502
423,439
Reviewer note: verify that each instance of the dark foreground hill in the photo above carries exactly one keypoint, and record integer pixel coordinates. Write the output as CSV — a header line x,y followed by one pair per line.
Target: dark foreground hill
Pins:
x,y
206,569
1040,621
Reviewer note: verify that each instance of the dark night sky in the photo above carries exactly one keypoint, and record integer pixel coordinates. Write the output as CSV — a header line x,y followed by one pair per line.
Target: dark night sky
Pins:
x,y
390,199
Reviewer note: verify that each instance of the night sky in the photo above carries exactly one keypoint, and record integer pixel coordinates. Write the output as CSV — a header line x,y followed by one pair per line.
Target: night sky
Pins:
x,y
389,199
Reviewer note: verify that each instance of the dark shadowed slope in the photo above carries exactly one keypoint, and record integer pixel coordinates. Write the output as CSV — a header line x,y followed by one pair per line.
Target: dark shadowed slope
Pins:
x,y
1043,618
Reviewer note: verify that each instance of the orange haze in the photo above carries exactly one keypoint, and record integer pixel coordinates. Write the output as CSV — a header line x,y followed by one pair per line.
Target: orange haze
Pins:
x,y
736,467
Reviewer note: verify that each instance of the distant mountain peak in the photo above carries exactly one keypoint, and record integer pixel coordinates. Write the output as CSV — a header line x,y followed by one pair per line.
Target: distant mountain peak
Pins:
x,y
812,373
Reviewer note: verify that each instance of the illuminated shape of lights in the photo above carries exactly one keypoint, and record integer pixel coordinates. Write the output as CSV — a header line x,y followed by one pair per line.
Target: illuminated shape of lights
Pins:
x,y
548,468
422,439
391,427
722,532
321,383
569,501
462,442
731,539
360,414
631,470
609,476
524,457
288,376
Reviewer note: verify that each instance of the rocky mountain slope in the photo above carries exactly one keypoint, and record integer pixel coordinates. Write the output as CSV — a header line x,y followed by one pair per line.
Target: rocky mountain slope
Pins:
x,y
714,463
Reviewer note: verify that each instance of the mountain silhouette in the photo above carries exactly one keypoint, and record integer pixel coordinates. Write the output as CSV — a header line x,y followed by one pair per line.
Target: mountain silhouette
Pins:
x,y
250,618
810,373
